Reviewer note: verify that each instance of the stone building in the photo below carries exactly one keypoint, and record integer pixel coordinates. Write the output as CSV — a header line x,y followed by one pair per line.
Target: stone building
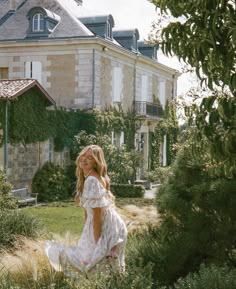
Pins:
x,y
83,62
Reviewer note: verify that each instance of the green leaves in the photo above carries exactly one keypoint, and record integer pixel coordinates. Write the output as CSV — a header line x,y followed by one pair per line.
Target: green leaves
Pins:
x,y
215,121
203,36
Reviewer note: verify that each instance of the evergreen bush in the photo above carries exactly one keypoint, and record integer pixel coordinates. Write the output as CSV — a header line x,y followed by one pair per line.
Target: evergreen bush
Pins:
x,y
209,277
197,221
51,183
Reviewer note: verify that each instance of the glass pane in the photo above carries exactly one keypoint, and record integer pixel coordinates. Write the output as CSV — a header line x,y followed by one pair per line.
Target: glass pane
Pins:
x,y
38,22
41,22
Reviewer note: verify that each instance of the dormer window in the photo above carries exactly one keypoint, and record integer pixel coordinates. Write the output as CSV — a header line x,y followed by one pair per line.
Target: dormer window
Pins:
x,y
99,25
127,38
42,22
38,22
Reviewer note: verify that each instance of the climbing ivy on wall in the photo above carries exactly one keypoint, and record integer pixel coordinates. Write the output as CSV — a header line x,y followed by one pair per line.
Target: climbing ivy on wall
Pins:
x,y
70,123
169,127
29,119
115,119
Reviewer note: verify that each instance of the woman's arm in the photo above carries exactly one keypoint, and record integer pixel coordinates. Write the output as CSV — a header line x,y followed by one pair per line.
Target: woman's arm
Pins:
x,y
97,223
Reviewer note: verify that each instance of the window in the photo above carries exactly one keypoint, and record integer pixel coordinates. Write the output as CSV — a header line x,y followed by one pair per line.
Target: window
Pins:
x,y
4,73
38,22
51,150
33,69
117,85
41,22
117,139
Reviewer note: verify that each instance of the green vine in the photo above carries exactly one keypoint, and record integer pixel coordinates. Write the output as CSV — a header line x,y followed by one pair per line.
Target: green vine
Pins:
x,y
27,118
169,127
70,123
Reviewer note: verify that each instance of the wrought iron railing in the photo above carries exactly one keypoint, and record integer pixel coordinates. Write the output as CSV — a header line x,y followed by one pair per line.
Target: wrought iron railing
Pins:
x,y
145,108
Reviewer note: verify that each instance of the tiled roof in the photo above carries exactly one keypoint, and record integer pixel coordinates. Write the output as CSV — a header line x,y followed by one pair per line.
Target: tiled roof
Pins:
x,y
10,89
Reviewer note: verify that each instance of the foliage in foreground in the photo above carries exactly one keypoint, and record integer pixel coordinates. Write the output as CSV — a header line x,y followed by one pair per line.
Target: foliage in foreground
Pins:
x,y
203,35
198,216
206,39
208,277
135,277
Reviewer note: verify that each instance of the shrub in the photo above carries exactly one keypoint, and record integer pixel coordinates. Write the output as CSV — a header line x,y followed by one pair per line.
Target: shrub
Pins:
x,y
71,175
6,201
209,277
159,175
14,223
197,214
128,190
51,183
121,161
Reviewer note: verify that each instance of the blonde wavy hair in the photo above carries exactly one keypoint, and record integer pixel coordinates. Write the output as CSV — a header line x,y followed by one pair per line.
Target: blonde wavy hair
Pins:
x,y
100,167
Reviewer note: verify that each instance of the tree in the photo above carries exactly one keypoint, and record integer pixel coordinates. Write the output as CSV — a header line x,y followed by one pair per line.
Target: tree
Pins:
x,y
203,35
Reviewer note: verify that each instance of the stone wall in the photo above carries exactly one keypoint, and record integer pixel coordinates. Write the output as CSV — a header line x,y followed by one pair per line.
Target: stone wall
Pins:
x,y
24,161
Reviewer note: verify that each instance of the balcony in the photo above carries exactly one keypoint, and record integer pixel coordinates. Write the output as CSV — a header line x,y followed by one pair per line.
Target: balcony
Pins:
x,y
148,109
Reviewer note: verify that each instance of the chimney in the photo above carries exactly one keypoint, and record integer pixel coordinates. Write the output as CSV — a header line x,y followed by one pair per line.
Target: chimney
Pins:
x,y
12,5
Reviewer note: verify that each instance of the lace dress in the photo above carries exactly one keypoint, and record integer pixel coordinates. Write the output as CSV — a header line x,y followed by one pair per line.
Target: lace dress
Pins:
x,y
87,255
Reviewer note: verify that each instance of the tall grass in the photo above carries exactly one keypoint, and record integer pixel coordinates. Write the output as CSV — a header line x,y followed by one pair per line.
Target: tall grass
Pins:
x,y
28,268
14,223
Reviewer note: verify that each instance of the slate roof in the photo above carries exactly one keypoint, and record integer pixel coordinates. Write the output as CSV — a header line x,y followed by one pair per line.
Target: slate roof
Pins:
x,y
73,21
10,89
16,26
4,6
97,19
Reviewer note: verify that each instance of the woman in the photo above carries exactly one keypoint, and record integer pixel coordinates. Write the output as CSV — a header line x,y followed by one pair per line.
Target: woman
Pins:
x,y
104,235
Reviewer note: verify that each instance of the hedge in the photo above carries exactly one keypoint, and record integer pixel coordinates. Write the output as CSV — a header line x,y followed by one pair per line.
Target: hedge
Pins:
x,y
128,190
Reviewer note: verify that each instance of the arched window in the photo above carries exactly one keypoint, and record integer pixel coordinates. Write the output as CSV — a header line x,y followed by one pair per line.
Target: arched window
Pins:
x,y
38,22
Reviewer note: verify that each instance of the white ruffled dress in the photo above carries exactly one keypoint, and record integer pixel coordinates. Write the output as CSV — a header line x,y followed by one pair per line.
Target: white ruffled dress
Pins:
x,y
87,255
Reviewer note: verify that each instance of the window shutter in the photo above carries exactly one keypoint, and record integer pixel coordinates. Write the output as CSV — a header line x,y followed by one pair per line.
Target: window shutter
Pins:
x,y
37,71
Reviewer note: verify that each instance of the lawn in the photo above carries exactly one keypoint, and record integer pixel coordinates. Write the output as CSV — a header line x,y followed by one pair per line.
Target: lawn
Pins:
x,y
63,217
59,219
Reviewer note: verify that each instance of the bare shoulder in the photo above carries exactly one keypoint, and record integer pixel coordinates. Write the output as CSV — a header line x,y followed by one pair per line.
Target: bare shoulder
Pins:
x,y
98,179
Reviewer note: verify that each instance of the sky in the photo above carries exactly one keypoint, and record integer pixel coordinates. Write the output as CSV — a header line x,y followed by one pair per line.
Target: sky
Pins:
x,y
138,14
